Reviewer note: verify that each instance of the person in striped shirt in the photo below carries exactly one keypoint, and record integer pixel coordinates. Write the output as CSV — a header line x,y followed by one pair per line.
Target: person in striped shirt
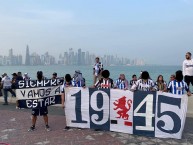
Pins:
x,y
121,83
178,86
97,70
133,81
78,80
144,84
105,82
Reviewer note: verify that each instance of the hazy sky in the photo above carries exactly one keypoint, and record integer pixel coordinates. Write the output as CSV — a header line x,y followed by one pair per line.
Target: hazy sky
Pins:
x,y
158,31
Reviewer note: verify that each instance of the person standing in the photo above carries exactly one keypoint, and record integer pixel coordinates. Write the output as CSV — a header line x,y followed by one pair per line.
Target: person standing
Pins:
x,y
26,77
67,83
97,70
54,76
19,76
7,83
187,69
42,111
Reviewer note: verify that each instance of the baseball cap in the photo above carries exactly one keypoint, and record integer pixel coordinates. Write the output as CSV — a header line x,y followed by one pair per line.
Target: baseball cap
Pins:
x,y
14,74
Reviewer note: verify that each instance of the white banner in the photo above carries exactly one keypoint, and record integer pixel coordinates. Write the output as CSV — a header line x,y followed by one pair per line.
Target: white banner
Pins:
x,y
152,114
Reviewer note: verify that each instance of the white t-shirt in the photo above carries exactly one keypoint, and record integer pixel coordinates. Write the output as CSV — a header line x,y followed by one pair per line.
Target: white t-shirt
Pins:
x,y
6,82
187,67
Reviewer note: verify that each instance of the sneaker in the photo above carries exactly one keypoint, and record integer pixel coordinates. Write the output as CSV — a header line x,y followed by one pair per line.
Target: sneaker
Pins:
x,y
97,130
17,107
47,128
66,128
32,128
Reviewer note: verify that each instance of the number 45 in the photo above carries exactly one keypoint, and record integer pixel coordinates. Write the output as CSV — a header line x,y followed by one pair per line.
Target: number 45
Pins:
x,y
148,100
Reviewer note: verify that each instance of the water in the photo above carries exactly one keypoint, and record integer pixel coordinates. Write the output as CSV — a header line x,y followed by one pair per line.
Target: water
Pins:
x,y
154,71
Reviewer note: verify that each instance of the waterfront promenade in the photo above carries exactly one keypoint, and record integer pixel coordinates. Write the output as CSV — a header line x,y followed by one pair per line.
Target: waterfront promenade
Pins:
x,y
14,124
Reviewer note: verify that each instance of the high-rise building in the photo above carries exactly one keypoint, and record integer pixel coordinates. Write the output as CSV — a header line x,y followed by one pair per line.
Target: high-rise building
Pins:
x,y
79,56
11,59
27,57
83,58
65,58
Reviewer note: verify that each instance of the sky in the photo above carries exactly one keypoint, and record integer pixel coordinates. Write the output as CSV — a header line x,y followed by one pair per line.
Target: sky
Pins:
x,y
157,31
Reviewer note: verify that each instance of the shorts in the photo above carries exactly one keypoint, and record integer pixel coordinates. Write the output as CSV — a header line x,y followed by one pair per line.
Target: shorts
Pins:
x,y
40,112
188,80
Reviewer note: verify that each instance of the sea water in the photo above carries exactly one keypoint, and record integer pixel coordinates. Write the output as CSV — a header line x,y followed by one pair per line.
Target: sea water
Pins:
x,y
87,71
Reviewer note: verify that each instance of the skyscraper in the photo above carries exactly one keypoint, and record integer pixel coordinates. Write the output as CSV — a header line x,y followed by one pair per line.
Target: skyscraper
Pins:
x,y
11,56
27,57
79,56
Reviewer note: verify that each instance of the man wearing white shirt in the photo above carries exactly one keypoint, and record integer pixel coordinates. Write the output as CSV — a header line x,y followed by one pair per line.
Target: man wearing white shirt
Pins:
x,y
7,82
187,68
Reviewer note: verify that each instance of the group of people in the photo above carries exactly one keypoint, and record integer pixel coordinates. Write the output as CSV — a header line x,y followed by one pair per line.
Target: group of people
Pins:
x,y
101,79
176,84
8,84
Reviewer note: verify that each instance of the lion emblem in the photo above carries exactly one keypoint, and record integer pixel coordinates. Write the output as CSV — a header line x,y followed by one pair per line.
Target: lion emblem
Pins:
x,y
121,105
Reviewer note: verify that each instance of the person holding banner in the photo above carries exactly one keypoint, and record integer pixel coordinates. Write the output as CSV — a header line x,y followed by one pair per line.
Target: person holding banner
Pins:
x,y
133,81
42,111
105,82
121,83
67,83
161,84
178,86
144,84
54,76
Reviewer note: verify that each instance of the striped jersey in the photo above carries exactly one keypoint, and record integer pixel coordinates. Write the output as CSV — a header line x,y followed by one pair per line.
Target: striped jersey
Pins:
x,y
104,83
132,82
78,83
178,88
98,67
142,85
121,84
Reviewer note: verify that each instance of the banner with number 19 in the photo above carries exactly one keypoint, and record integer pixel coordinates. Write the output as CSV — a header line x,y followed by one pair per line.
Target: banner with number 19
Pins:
x,y
154,114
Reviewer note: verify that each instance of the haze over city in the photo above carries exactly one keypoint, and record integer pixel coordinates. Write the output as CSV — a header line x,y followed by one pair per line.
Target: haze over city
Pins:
x,y
157,31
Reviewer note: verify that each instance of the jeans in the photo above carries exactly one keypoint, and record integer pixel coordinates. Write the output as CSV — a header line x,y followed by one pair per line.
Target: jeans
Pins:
x,y
5,91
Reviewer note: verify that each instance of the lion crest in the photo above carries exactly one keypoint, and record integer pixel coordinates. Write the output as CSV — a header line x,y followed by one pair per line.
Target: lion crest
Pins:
x,y
121,105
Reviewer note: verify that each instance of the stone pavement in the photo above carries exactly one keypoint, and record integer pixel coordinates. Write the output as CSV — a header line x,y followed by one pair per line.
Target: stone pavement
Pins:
x,y
14,124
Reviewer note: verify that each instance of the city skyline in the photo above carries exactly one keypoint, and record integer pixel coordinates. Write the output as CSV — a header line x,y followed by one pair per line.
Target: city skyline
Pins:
x,y
151,30
68,57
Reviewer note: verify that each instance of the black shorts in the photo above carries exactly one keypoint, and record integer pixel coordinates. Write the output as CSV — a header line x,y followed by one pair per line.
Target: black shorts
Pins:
x,y
188,80
39,112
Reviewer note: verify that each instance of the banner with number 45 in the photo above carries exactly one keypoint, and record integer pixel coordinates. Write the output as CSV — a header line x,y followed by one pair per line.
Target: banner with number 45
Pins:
x,y
154,114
